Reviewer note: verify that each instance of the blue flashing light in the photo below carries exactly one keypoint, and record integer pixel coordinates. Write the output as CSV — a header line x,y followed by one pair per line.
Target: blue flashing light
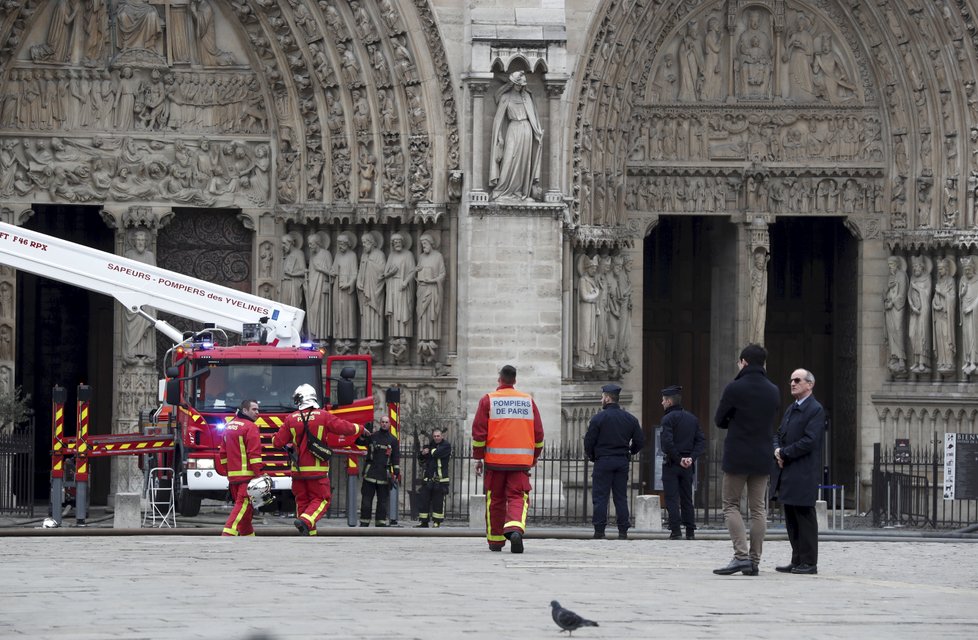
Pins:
x,y
206,345
307,345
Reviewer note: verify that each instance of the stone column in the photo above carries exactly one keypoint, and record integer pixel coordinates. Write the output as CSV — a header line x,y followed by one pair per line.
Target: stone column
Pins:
x,y
555,89
478,87
759,249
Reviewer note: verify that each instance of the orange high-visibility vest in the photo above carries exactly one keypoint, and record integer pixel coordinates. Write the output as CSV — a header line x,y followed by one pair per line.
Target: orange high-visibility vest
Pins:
x,y
510,441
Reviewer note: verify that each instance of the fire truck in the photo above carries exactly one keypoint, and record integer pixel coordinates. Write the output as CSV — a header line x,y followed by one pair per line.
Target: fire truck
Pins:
x,y
205,377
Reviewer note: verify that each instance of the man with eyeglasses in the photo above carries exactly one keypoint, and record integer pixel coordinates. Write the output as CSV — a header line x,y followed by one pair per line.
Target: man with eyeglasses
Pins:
x,y
747,411
798,448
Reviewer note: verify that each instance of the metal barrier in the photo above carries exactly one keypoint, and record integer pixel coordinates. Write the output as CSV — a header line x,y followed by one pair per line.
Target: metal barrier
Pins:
x,y
17,469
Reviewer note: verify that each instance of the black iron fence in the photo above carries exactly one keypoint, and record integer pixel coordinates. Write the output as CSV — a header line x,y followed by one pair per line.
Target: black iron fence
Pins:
x,y
17,469
908,490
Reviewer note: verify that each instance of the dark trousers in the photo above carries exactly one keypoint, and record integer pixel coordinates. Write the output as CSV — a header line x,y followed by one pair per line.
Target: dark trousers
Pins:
x,y
431,501
802,528
678,486
610,475
367,492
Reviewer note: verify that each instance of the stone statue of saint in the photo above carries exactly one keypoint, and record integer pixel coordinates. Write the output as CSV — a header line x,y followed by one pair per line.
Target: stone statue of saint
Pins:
x,y
586,346
754,59
690,65
712,72
370,290
919,299
139,25
399,273
318,286
430,277
293,269
758,294
210,55
139,336
608,321
344,288
944,306
621,266
61,28
968,295
894,305
799,53
516,153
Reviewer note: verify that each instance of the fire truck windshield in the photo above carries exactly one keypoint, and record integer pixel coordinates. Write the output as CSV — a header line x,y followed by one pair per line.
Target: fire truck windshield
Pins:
x,y
227,384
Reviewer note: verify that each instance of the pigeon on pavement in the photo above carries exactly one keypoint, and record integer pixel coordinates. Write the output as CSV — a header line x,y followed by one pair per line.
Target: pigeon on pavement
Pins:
x,y
567,620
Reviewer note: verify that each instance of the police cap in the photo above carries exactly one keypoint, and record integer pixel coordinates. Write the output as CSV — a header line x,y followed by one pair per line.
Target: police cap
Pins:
x,y
612,388
674,390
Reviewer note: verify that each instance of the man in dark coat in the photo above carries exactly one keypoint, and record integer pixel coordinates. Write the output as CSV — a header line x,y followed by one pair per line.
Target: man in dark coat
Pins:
x,y
613,435
682,443
798,453
748,408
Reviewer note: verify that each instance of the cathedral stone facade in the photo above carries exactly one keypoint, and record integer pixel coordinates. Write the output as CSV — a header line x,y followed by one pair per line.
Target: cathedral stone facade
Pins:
x,y
624,190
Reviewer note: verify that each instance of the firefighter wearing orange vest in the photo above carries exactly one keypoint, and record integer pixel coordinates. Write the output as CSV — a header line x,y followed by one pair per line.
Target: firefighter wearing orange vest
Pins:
x,y
239,460
507,436
310,475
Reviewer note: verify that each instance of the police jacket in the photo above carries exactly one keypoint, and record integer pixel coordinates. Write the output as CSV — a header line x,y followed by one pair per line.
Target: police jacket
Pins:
x,y
239,456
681,436
748,409
613,432
321,423
383,457
435,463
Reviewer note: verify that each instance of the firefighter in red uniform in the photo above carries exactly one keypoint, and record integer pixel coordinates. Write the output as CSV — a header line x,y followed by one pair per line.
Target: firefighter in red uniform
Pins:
x,y
239,460
310,475
507,434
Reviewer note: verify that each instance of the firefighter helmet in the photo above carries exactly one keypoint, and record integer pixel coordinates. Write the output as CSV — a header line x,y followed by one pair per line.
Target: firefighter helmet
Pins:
x,y
50,523
305,397
260,491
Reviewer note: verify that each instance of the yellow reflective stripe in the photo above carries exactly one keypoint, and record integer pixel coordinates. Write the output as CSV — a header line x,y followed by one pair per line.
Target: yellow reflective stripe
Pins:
x,y
238,474
315,468
230,532
492,538
538,445
244,508
318,512
478,443
254,460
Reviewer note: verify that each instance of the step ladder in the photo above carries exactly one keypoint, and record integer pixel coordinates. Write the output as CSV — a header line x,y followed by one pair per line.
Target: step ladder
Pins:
x,y
160,509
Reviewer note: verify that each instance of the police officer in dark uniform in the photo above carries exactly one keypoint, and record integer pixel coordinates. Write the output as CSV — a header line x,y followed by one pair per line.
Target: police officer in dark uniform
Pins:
x,y
682,443
612,437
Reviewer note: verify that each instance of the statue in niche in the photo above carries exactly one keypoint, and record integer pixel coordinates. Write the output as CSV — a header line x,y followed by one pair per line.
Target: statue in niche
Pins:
x,y
944,303
139,25
758,294
799,54
96,25
344,292
712,71
516,153
318,286
266,259
621,266
60,31
919,299
399,273
6,343
690,65
831,79
754,59
138,334
6,300
370,291
586,346
430,277
894,304
293,269
605,335
968,296
206,32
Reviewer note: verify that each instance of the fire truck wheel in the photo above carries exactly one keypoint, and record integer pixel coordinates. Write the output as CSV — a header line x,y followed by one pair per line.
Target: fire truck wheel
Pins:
x,y
188,504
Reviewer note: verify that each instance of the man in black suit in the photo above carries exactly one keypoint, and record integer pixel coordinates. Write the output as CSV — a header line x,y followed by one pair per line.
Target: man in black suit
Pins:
x,y
798,453
748,410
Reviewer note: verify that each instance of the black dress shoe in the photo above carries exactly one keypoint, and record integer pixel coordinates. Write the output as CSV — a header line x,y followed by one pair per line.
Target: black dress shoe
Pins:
x,y
753,571
689,533
785,568
735,566
675,534
623,535
599,535
805,569
516,542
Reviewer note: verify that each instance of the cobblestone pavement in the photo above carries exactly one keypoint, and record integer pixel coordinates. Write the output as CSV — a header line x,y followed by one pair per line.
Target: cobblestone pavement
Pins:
x,y
352,583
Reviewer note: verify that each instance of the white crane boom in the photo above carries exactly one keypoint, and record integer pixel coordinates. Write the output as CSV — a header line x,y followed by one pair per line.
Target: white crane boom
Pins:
x,y
136,285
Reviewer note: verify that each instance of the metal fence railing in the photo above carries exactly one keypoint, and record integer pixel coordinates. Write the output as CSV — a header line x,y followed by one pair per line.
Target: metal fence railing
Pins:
x,y
908,490
17,469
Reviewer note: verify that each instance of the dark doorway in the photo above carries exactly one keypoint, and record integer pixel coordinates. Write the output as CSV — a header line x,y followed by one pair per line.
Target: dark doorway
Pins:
x,y
64,337
811,324
679,256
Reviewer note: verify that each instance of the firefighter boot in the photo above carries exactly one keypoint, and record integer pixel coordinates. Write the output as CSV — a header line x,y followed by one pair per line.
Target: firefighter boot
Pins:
x,y
423,525
301,526
515,542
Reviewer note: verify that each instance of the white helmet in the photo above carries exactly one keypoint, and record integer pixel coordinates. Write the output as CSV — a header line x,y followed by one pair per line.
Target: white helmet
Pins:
x,y
305,397
260,491
50,523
